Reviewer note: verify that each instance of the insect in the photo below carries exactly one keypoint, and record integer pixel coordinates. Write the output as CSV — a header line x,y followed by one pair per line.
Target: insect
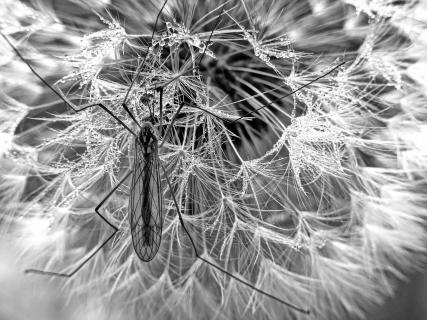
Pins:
x,y
145,201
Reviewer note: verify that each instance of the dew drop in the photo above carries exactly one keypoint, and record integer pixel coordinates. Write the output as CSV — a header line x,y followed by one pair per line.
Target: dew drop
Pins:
x,y
196,41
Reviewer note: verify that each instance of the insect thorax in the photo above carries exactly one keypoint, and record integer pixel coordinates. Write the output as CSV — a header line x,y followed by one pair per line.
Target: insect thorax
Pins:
x,y
147,138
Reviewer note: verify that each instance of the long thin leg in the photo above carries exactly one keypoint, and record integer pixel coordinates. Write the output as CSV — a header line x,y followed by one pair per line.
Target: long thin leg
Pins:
x,y
124,105
98,104
160,90
161,106
291,93
58,93
34,71
288,304
110,113
95,251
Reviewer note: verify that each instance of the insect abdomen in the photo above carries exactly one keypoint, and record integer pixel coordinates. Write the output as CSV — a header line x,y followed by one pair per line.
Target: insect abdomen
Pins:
x,y
145,201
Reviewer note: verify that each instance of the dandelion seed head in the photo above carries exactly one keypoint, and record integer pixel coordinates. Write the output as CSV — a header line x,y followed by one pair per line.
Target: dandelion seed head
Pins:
x,y
303,197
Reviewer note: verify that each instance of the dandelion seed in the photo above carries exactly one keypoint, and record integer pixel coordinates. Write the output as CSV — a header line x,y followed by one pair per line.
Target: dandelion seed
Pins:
x,y
96,48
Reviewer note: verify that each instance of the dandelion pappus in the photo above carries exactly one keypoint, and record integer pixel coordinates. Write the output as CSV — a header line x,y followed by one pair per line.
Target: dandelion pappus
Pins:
x,y
145,201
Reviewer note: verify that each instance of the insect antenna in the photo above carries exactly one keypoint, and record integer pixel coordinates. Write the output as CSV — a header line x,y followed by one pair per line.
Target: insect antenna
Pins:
x,y
192,105
210,36
140,67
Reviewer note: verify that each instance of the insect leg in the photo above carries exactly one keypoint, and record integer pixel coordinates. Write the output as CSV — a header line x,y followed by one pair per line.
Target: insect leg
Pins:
x,y
288,304
96,250
124,105
110,113
34,71
98,104
161,105
292,92
67,102
160,90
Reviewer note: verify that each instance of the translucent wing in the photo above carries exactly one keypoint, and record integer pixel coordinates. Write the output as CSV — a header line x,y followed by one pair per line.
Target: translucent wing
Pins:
x,y
145,201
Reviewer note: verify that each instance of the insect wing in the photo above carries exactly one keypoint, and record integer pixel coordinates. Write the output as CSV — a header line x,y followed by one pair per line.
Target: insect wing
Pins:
x,y
145,203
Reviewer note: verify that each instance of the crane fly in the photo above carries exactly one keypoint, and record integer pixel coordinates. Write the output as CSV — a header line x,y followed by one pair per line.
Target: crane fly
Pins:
x,y
145,208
